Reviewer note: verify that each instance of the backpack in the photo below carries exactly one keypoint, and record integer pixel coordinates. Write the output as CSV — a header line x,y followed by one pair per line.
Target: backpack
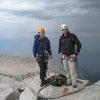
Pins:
x,y
57,80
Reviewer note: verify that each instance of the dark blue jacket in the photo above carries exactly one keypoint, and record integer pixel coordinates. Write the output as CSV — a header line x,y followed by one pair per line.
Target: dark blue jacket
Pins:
x,y
40,45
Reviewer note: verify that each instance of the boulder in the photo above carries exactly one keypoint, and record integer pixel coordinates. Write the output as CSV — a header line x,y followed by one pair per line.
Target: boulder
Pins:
x,y
51,91
89,93
5,90
9,88
27,95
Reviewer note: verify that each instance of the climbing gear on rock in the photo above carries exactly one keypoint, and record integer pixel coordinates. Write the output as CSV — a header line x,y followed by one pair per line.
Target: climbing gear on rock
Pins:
x,y
57,80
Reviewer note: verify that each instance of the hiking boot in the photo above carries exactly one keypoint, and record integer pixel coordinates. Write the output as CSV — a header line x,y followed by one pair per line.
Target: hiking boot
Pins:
x,y
67,84
74,86
43,83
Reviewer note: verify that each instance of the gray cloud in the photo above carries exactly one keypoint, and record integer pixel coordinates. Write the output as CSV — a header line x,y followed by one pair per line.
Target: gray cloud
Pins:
x,y
90,4
50,9
19,17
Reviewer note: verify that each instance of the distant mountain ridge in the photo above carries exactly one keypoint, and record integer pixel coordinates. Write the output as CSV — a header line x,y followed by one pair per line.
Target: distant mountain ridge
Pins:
x,y
88,58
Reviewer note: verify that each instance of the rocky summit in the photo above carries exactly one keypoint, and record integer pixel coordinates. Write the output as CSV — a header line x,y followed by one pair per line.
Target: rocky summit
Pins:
x,y
19,80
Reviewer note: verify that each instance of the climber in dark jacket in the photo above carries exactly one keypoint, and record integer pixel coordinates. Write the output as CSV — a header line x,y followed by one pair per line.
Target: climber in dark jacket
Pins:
x,y
42,52
69,48
67,44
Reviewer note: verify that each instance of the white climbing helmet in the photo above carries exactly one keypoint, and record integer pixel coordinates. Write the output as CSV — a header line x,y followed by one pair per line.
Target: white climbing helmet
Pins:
x,y
64,26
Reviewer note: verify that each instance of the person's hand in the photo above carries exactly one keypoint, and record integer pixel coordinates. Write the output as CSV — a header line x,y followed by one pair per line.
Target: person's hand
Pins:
x,y
72,56
60,54
35,59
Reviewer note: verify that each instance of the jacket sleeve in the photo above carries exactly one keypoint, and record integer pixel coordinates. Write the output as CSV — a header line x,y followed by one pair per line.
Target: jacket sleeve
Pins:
x,y
78,45
35,48
60,46
49,47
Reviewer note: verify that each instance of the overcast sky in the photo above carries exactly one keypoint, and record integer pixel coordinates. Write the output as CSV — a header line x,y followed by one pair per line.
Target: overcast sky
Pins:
x,y
21,18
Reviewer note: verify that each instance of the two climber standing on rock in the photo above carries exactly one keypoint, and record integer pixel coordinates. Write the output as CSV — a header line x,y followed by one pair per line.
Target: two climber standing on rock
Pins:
x,y
42,52
69,48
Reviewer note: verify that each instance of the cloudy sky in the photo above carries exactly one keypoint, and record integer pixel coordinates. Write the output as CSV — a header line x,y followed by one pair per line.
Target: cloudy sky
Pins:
x,y
21,18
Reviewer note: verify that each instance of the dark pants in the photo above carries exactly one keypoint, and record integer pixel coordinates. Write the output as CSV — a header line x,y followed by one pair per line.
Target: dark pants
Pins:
x,y
43,69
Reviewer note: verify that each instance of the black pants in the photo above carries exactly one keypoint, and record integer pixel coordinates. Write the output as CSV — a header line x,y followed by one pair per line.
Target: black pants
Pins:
x,y
43,69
